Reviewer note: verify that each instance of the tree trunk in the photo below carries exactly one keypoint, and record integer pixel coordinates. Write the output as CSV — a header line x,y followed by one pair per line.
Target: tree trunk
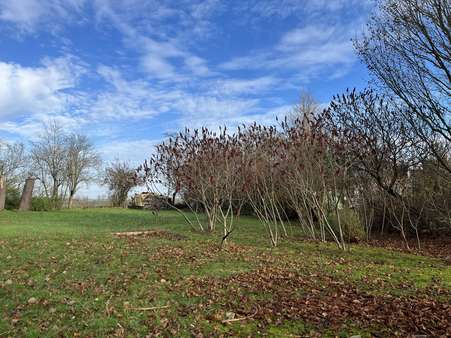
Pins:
x,y
174,194
27,194
71,200
2,192
55,191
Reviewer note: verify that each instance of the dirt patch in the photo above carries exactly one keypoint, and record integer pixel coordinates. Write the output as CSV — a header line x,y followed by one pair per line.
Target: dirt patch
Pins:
x,y
151,233
324,301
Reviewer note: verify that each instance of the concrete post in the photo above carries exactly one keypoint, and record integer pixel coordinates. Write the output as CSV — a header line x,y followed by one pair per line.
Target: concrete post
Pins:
x,y
2,192
27,194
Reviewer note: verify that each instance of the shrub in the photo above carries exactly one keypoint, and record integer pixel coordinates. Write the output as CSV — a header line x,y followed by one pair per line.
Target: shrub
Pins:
x,y
12,198
350,224
42,204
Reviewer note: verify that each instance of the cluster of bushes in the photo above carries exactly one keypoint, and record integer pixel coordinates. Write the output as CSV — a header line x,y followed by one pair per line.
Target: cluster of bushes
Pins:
x,y
374,161
346,172
12,198
38,203
42,203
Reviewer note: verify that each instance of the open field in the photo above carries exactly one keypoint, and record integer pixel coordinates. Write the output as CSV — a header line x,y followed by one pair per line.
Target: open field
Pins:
x,y
65,274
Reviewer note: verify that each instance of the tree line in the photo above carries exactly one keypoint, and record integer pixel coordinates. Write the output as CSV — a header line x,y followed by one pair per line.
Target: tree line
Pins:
x,y
55,165
58,161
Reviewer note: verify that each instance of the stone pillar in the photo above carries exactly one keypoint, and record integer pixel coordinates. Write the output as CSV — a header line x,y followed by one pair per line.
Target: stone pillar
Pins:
x,y
2,192
27,194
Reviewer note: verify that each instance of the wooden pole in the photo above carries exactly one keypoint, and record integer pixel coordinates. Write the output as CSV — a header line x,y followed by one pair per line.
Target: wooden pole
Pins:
x,y
2,193
27,194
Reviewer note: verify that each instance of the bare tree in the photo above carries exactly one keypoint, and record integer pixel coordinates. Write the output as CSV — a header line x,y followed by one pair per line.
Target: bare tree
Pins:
x,y
120,178
49,160
160,174
263,149
315,179
381,145
82,159
407,48
376,135
304,112
12,163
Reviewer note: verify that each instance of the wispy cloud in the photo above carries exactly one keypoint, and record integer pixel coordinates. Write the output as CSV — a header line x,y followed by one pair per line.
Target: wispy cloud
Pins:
x,y
313,46
31,15
163,54
263,9
236,86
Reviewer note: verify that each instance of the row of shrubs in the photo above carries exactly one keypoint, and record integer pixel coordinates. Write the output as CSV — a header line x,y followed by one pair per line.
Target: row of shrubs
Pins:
x,y
38,203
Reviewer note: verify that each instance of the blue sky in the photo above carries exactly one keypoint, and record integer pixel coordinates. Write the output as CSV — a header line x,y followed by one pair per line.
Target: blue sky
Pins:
x,y
128,72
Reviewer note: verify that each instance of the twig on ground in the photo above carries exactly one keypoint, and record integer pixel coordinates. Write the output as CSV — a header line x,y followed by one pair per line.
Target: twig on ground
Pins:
x,y
226,321
108,309
149,308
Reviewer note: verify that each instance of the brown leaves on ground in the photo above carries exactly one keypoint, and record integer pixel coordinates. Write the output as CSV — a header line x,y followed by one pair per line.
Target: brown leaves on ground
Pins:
x,y
201,253
274,295
439,247
163,234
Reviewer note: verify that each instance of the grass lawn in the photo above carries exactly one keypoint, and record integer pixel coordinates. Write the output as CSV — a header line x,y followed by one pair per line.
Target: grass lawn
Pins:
x,y
65,274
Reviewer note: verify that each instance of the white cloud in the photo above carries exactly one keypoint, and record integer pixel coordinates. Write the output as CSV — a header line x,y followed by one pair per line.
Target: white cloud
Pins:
x,y
33,90
124,99
193,17
30,128
264,9
159,58
157,66
242,86
310,50
197,66
29,15
304,36
160,54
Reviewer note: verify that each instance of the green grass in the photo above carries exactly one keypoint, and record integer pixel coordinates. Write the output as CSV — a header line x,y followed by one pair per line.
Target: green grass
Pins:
x,y
64,274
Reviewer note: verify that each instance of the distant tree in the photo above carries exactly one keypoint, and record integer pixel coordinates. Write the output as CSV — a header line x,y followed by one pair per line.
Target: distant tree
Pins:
x,y
82,159
49,160
120,178
12,161
304,111
407,48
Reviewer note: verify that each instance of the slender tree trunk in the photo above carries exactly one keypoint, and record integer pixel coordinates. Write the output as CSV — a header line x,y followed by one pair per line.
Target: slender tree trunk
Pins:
x,y
55,191
174,194
71,200
2,193
27,194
